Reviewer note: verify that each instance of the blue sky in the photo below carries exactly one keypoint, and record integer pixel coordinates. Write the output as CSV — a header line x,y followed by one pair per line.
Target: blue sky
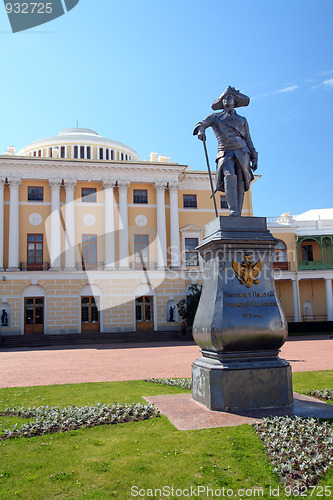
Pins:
x,y
144,73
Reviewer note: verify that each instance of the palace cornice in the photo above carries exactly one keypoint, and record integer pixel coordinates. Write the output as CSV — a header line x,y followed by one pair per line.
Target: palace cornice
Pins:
x,y
44,168
92,177
197,174
41,161
199,180
140,175
324,231
315,274
197,184
154,275
281,229
279,275
196,180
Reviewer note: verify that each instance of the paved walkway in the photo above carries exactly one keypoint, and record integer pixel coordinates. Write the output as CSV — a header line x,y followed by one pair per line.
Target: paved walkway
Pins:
x,y
116,362
186,414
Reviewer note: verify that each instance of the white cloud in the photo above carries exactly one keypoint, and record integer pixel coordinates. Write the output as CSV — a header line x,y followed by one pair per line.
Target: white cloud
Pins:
x,y
280,91
328,83
288,89
290,119
325,73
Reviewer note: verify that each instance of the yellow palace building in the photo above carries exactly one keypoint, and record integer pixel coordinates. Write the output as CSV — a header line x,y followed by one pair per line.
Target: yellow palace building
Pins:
x,y
93,239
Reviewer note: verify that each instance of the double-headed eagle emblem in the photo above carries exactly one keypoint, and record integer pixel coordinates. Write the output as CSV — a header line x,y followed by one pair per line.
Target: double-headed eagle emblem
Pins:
x,y
246,272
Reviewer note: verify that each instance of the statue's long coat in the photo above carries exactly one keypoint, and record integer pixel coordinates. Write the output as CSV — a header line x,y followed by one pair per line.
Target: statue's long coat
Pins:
x,y
234,140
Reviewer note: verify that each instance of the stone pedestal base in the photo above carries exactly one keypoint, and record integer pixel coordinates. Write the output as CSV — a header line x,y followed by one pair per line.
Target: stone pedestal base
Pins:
x,y
242,381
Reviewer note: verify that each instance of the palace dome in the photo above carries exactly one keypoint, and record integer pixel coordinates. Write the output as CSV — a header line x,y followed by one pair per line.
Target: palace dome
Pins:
x,y
80,143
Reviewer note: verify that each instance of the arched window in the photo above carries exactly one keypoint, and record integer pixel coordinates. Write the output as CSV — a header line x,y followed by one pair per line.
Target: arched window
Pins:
x,y
280,252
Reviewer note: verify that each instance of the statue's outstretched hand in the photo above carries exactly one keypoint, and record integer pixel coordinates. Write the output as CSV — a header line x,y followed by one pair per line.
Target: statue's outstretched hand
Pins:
x,y
201,135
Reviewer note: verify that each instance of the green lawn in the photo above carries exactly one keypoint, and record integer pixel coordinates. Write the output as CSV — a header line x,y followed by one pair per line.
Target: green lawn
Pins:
x,y
108,460
310,381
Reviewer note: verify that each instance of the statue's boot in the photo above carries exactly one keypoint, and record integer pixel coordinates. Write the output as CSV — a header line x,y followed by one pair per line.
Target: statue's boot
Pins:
x,y
240,196
230,182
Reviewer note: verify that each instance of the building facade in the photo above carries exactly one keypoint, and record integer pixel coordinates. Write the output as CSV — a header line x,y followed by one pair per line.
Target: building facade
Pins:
x,y
304,264
92,238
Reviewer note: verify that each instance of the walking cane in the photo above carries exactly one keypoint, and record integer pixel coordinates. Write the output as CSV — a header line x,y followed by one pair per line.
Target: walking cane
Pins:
x,y
210,178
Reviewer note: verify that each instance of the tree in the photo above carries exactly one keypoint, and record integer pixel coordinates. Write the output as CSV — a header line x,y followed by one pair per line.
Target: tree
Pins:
x,y
188,307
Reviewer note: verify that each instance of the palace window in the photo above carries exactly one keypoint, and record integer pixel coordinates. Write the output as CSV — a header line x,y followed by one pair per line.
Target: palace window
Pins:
x,y
35,251
101,154
89,195
141,246
62,152
140,196
224,203
191,254
189,200
280,252
89,251
112,154
89,310
81,151
35,193
107,153
76,151
88,152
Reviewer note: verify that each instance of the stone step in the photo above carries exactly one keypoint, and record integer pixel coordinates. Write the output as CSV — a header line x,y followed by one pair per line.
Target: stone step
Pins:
x,y
14,341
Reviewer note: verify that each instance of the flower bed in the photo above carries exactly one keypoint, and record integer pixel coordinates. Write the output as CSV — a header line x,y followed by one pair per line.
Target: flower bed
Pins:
x,y
325,394
301,449
50,419
185,383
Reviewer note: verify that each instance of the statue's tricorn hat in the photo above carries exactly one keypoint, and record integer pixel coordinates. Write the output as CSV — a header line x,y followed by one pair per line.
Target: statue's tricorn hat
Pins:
x,y
240,99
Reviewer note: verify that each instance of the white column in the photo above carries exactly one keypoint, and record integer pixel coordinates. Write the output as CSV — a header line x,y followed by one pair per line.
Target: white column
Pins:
x,y
329,299
13,251
123,224
109,226
70,225
295,300
161,227
55,245
2,186
174,225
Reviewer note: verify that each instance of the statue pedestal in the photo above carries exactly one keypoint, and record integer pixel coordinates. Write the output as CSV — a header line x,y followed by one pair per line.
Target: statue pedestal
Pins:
x,y
246,381
239,324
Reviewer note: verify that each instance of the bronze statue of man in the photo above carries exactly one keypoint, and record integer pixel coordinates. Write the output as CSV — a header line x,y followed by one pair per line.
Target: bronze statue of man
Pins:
x,y
236,155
